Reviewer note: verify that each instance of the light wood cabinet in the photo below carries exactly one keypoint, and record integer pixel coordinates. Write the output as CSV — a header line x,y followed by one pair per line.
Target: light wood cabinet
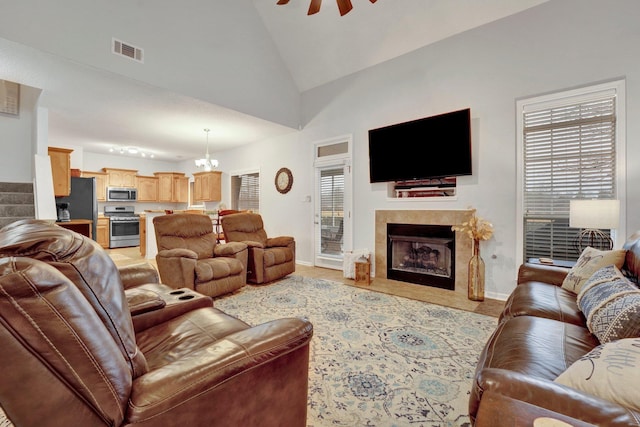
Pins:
x,y
143,235
207,186
101,183
102,232
165,186
181,186
147,188
121,177
172,187
60,170
82,226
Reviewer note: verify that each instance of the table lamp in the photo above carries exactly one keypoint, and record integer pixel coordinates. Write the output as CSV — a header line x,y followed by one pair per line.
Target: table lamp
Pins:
x,y
592,216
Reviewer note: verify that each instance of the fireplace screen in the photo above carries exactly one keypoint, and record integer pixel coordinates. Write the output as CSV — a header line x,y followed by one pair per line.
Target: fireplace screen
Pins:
x,y
421,254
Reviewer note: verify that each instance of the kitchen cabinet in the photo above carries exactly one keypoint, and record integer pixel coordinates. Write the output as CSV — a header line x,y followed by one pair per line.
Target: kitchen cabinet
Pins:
x,y
102,232
121,177
207,186
143,235
147,188
172,187
181,185
60,170
82,226
101,183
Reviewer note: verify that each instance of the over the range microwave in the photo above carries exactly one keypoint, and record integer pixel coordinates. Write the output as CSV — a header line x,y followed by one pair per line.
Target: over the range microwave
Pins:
x,y
121,194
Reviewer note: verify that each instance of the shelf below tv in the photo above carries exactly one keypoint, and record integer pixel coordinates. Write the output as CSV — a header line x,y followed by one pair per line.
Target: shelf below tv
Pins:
x,y
423,189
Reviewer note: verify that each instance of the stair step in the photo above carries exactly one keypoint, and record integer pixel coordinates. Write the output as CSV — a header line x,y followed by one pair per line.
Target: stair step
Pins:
x,y
16,198
16,187
16,202
17,211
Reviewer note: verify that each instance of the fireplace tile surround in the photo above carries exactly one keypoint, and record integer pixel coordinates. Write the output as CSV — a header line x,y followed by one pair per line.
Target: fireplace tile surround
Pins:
x,y
425,217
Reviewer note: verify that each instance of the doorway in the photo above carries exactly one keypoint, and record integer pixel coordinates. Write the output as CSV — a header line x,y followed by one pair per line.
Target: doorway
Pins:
x,y
332,216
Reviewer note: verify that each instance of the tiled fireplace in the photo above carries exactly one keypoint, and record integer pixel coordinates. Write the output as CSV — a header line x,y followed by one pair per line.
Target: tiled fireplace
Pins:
x,y
417,246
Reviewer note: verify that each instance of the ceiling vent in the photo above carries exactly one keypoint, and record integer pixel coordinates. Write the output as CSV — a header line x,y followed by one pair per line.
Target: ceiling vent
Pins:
x,y
130,51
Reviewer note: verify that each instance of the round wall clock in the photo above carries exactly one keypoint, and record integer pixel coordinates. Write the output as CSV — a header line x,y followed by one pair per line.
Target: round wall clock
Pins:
x,y
284,180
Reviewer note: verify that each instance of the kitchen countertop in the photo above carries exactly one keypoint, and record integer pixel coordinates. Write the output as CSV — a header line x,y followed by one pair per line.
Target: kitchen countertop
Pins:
x,y
174,210
75,221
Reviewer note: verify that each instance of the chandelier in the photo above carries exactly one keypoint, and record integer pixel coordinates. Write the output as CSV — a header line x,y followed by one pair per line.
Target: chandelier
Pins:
x,y
207,163
345,6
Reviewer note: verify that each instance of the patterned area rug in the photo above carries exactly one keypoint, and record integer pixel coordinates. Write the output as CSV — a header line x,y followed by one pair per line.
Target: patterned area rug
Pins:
x,y
376,359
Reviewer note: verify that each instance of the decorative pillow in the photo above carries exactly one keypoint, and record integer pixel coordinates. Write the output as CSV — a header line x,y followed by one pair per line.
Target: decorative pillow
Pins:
x,y
610,371
611,304
608,274
590,261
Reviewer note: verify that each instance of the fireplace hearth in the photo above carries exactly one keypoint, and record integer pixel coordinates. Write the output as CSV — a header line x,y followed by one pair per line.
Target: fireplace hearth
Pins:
x,y
460,251
421,254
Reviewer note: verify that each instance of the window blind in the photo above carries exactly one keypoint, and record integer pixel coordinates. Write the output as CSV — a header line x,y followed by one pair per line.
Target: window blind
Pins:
x,y
569,153
245,191
332,196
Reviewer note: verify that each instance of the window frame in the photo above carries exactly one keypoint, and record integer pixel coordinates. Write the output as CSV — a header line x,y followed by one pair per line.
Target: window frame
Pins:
x,y
557,99
235,174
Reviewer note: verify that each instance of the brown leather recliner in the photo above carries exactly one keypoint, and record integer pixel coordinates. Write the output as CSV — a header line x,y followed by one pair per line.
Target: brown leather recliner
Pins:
x,y
269,258
188,255
70,356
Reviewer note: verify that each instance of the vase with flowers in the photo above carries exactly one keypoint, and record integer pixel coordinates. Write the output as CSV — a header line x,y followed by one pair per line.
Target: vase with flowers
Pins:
x,y
477,229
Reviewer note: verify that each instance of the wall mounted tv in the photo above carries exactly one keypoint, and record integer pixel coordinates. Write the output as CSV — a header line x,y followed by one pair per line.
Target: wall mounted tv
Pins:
x,y
432,147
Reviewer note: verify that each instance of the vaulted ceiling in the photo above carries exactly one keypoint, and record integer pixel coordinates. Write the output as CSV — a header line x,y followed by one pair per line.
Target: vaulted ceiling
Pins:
x,y
236,67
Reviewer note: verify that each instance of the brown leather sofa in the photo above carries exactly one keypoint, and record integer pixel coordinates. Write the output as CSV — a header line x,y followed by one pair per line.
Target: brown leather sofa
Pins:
x,y
71,353
189,255
270,258
540,334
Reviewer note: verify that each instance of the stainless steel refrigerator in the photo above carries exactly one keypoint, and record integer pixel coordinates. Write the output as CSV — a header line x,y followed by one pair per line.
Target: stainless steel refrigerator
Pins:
x,y
83,203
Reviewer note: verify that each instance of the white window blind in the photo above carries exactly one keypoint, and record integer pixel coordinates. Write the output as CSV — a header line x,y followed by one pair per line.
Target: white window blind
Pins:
x,y
569,153
332,210
332,196
245,192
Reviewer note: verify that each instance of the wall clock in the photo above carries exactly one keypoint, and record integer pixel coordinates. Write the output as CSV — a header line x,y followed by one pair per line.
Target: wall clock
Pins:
x,y
284,180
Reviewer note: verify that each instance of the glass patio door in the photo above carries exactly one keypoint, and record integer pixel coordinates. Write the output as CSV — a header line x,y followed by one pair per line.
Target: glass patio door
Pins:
x,y
332,225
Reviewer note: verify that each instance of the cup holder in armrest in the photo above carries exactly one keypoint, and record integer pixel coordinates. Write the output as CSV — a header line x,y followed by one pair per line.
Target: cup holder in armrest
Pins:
x,y
175,303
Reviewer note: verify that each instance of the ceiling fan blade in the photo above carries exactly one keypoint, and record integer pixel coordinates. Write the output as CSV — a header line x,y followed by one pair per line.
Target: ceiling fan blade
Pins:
x,y
314,7
282,1
373,1
345,6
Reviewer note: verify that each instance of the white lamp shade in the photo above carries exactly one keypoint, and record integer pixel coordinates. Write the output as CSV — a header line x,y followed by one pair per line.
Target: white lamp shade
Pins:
x,y
602,214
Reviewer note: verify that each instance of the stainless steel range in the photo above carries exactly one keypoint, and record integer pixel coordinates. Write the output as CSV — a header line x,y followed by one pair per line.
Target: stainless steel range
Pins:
x,y
124,226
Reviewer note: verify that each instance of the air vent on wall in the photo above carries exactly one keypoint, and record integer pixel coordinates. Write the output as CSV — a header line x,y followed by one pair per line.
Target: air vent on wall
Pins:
x,y
125,49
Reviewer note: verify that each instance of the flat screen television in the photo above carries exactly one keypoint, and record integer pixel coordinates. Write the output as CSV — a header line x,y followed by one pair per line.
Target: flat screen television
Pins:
x,y
432,147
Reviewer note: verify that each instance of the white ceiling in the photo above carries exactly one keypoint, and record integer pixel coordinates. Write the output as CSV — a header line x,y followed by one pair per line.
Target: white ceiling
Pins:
x,y
97,108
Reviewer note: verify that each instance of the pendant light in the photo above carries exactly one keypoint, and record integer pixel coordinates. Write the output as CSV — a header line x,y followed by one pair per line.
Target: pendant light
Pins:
x,y
207,163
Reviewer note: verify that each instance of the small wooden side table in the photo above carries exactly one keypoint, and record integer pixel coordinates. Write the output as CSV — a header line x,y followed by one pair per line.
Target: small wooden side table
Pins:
x,y
363,272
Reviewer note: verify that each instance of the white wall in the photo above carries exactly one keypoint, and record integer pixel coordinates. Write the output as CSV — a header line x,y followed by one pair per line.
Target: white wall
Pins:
x,y
555,46
18,139
238,52
559,45
95,162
